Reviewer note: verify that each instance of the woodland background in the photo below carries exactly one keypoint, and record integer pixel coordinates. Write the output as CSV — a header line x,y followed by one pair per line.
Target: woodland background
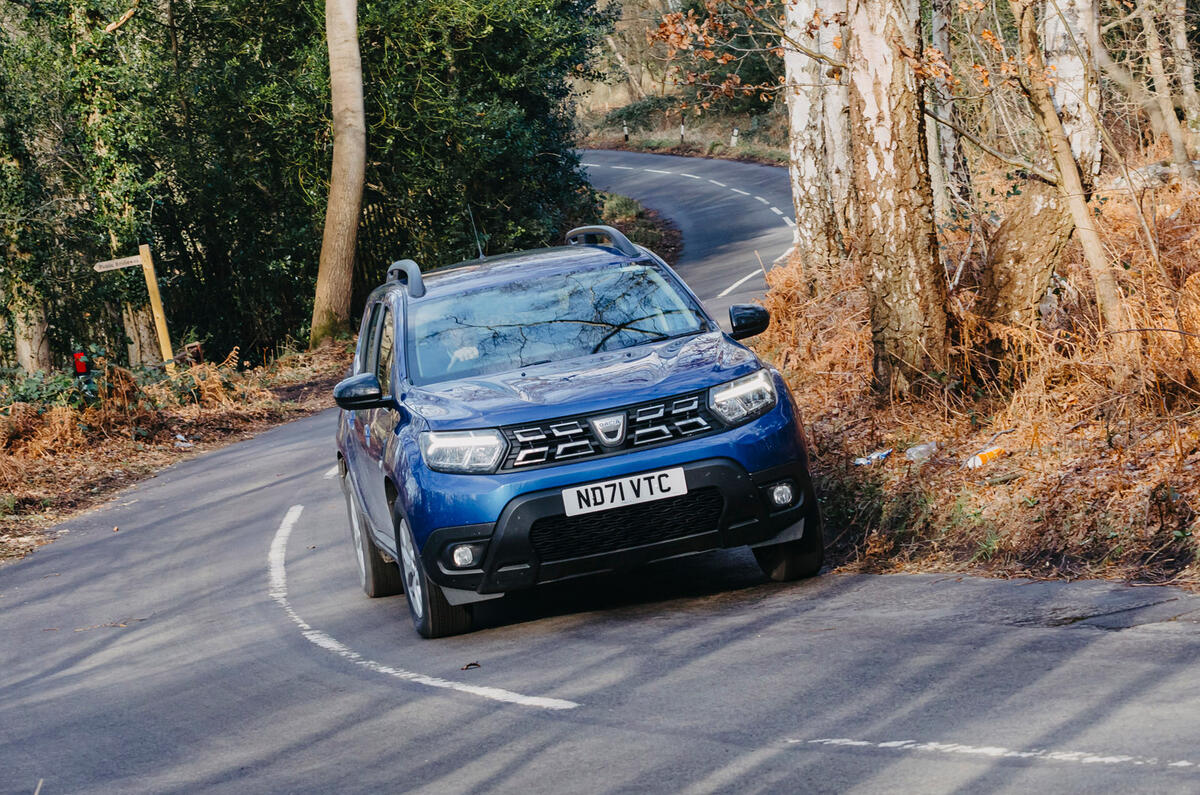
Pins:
x,y
995,202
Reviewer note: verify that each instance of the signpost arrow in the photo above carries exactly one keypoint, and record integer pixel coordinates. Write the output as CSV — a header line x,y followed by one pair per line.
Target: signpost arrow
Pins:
x,y
144,259
114,264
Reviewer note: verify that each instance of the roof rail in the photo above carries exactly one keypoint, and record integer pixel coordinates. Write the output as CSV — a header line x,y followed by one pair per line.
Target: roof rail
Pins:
x,y
584,235
412,276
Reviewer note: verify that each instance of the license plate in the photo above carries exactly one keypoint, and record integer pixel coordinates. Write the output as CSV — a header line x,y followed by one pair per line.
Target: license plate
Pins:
x,y
631,490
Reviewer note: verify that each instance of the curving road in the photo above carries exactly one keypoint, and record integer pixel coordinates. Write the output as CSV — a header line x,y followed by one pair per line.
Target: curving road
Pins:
x,y
205,631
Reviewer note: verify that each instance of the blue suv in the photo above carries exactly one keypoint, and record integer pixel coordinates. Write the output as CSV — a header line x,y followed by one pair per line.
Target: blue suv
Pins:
x,y
526,418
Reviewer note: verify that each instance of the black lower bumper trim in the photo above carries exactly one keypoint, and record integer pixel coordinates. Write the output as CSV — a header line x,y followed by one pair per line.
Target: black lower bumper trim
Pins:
x,y
534,542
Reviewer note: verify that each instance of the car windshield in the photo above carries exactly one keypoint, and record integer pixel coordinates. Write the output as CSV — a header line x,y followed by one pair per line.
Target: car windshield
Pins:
x,y
533,321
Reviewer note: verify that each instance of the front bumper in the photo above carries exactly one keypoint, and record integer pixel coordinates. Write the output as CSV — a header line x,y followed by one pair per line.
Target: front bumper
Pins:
x,y
533,542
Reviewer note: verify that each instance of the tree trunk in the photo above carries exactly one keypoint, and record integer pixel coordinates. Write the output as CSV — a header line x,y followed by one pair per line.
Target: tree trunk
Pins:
x,y
815,241
331,307
1134,89
1108,294
31,335
937,170
836,118
904,279
1162,90
141,335
1022,255
949,161
1185,62
1026,248
1076,90
635,86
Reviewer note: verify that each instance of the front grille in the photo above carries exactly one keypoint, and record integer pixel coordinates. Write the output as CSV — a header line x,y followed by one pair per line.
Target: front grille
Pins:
x,y
563,537
567,439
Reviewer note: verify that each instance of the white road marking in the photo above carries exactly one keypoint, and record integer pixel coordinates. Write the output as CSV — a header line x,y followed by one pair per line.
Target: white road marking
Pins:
x,y
742,192
277,579
718,184
777,211
739,283
623,168
331,473
656,171
788,221
996,752
761,199
689,176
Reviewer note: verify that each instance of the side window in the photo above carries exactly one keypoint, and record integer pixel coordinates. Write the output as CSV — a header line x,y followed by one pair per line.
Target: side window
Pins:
x,y
387,349
364,357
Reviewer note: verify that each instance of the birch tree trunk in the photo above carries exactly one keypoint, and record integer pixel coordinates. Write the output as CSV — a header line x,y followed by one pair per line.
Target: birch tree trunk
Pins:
x,y
1108,294
1076,90
1185,62
815,234
947,163
904,278
836,118
1147,9
331,307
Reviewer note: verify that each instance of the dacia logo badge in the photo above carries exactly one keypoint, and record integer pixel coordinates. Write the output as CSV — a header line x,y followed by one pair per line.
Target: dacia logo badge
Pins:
x,y
609,429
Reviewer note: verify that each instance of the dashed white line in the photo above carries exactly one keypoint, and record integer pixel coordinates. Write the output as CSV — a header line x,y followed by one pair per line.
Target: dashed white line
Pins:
x,y
330,473
996,752
739,283
277,580
774,209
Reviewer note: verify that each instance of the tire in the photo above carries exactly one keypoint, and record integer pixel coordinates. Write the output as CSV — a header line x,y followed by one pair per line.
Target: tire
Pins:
x,y
376,576
432,615
795,560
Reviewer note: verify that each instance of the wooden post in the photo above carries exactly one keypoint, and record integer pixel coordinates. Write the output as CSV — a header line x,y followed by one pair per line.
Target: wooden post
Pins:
x,y
160,318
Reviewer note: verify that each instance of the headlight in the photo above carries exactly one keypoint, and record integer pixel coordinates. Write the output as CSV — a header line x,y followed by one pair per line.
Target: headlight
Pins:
x,y
744,399
463,451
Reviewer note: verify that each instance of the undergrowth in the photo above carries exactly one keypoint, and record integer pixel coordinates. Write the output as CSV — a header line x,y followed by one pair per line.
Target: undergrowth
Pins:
x,y
1095,481
65,444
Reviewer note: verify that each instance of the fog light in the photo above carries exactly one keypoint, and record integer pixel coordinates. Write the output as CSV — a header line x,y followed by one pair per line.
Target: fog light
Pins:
x,y
463,556
781,495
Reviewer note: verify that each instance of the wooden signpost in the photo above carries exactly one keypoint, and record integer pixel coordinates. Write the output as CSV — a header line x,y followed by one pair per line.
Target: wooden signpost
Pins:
x,y
160,319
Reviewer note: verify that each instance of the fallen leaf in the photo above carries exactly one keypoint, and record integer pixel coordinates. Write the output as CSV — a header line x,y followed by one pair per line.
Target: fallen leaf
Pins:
x,y
469,666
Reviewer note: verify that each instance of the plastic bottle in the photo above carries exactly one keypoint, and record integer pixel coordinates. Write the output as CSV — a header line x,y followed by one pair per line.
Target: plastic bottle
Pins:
x,y
921,453
984,456
873,458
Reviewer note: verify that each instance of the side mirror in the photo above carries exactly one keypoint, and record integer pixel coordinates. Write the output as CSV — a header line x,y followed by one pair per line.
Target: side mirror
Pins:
x,y
360,392
746,320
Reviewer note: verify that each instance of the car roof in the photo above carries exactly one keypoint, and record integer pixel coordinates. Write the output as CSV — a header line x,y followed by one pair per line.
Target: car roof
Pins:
x,y
502,268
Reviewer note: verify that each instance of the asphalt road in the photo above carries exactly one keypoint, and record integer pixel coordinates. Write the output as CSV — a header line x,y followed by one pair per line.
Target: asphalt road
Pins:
x,y
205,632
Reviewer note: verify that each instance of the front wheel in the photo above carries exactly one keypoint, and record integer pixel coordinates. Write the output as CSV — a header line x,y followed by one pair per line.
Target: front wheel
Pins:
x,y
432,615
376,576
795,560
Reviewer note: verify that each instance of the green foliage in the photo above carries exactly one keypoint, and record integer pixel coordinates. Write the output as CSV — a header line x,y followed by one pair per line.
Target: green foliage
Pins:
x,y
41,389
203,129
468,106
644,114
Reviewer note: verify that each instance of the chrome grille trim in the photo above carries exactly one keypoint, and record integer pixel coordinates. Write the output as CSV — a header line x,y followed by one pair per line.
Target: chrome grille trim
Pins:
x,y
562,439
